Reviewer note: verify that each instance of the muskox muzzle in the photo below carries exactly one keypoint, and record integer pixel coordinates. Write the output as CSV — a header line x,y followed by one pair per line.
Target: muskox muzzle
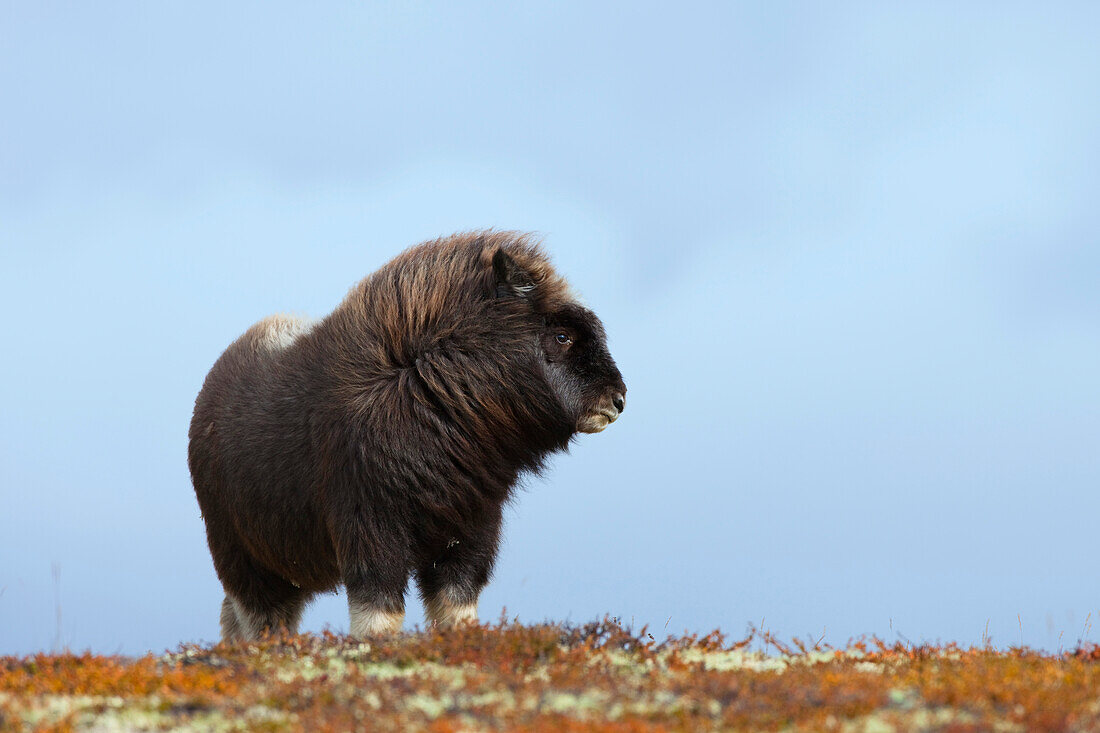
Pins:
x,y
607,411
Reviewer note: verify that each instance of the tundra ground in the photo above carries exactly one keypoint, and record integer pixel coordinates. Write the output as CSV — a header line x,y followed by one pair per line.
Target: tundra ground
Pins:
x,y
597,677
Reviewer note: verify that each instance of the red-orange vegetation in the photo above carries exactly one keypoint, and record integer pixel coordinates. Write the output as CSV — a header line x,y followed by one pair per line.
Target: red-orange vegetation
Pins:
x,y
88,674
597,677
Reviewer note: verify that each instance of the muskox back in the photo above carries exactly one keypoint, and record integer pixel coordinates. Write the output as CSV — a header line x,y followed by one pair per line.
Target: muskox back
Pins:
x,y
381,442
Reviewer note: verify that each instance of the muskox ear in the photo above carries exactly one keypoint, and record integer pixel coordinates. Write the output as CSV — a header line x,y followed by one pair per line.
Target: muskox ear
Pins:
x,y
510,279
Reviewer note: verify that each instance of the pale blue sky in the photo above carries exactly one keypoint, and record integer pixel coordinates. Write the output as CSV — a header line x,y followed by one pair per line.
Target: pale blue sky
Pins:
x,y
847,255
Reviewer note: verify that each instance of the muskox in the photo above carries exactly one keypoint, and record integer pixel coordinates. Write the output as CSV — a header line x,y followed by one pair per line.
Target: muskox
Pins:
x,y
383,440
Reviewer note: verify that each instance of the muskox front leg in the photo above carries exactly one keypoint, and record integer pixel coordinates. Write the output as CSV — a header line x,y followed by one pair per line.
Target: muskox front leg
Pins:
x,y
375,570
451,582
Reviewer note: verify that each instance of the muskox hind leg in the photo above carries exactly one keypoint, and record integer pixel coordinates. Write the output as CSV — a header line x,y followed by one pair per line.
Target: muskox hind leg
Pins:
x,y
241,623
257,601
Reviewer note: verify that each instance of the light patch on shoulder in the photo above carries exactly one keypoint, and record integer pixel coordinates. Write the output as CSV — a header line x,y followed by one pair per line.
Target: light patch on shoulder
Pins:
x,y
278,332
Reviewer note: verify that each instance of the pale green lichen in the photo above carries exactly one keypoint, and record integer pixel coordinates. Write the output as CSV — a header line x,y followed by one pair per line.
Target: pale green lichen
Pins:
x,y
215,721
581,705
431,707
725,661
113,714
924,718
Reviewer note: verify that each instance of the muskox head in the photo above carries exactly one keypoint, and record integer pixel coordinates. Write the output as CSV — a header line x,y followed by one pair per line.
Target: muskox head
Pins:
x,y
571,349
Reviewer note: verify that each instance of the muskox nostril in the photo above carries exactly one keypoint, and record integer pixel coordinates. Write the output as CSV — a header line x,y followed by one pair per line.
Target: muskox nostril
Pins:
x,y
619,401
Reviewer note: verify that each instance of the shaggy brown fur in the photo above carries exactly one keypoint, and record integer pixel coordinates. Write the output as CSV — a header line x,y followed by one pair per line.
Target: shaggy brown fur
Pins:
x,y
382,441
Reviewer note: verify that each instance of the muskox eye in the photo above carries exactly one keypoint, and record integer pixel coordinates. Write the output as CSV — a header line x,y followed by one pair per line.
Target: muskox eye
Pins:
x,y
563,339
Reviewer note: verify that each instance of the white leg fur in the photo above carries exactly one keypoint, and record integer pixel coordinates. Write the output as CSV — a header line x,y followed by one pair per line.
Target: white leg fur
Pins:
x,y
231,627
367,620
238,624
443,611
